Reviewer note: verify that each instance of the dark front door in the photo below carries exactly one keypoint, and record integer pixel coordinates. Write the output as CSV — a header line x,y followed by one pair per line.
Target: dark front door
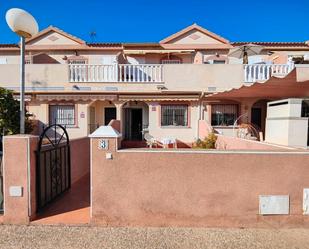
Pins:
x,y
256,117
109,114
136,124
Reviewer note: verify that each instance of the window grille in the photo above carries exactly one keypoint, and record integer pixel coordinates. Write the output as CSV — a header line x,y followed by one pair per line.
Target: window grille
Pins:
x,y
62,114
77,61
223,115
171,61
174,115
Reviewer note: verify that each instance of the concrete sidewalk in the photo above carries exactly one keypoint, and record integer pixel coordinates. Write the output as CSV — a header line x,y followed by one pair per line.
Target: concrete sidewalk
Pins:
x,y
38,236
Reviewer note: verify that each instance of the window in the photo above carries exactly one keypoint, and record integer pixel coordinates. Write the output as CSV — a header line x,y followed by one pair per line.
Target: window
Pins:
x,y
223,115
218,61
62,114
77,61
171,61
174,115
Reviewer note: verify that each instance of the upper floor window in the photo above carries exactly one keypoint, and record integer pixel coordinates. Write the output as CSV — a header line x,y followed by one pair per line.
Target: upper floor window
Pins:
x,y
3,60
174,115
223,115
218,62
62,114
215,59
171,59
77,60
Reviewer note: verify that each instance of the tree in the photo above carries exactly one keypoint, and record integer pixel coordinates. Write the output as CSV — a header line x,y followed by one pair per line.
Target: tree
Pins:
x,y
9,114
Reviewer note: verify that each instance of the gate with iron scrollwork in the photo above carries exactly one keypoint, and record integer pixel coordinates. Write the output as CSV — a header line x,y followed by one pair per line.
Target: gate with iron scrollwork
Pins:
x,y
53,165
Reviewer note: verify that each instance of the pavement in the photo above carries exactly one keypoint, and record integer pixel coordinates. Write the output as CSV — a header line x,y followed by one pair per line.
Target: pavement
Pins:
x,y
76,237
72,208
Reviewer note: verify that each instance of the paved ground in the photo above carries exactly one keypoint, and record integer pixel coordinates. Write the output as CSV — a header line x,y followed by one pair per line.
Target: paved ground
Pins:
x,y
71,208
130,238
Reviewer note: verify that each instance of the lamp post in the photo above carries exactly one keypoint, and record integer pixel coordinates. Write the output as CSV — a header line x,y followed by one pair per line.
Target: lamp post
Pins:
x,y
24,25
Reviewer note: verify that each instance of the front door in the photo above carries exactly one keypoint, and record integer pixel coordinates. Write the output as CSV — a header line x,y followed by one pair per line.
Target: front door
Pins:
x,y
256,117
136,124
109,114
133,123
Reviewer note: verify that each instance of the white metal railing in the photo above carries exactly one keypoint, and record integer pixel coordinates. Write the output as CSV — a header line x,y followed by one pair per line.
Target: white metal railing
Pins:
x,y
116,73
262,72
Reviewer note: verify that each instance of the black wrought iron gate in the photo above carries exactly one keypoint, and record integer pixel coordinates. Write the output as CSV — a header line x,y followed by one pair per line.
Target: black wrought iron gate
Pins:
x,y
53,169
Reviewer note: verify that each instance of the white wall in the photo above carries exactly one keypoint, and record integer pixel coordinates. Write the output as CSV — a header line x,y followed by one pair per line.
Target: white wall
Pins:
x,y
284,124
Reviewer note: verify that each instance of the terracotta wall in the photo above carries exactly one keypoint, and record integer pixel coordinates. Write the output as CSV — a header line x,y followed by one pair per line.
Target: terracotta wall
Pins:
x,y
19,171
181,188
235,143
80,158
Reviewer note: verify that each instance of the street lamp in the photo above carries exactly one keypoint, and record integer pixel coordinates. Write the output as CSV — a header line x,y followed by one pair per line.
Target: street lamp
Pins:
x,y
24,25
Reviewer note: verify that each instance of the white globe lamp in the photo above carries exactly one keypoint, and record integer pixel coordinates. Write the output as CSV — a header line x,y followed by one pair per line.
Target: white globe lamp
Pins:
x,y
24,25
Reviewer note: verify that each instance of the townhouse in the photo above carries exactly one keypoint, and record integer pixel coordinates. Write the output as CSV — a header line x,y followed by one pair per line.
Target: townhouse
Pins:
x,y
164,88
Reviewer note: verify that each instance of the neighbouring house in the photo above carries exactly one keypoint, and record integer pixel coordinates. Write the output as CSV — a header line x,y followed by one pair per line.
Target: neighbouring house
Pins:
x,y
165,89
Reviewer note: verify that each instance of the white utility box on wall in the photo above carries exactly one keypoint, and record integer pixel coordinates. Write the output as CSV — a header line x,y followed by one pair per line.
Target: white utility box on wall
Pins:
x,y
306,201
274,204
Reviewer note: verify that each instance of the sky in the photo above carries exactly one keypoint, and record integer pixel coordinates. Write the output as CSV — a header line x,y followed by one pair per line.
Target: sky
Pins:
x,y
153,20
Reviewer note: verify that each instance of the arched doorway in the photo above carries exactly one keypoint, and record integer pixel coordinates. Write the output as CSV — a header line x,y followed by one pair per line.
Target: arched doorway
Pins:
x,y
101,113
258,114
136,120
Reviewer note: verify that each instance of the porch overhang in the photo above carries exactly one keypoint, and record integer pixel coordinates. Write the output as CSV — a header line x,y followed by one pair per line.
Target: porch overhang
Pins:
x,y
178,97
274,88
158,51
75,97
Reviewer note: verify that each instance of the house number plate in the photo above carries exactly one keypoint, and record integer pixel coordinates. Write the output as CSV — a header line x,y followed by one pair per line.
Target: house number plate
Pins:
x,y
103,144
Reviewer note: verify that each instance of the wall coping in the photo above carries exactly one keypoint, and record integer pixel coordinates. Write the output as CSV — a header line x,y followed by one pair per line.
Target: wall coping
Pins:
x,y
201,151
105,131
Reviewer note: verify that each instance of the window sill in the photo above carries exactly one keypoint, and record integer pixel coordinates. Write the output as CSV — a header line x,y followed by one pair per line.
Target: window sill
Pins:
x,y
225,126
72,127
175,127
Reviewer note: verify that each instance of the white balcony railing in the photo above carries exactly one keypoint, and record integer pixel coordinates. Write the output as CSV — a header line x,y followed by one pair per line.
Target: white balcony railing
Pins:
x,y
116,73
262,72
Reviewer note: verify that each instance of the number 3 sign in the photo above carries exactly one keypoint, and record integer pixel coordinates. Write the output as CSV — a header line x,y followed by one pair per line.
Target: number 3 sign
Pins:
x,y
103,144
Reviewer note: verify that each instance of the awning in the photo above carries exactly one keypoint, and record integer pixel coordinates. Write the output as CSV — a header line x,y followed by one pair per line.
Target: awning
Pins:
x,y
74,97
159,97
157,51
287,87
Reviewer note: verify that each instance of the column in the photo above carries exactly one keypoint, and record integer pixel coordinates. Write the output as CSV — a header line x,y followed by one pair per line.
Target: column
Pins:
x,y
19,178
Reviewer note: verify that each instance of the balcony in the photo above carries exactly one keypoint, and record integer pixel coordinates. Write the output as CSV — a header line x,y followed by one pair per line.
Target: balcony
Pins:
x,y
140,78
262,72
115,73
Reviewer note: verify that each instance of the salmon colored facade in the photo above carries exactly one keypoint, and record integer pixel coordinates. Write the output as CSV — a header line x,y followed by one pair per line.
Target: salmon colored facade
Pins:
x,y
164,88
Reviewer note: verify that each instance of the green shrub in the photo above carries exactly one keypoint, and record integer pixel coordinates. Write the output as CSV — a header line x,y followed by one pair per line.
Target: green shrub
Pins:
x,y
9,114
208,143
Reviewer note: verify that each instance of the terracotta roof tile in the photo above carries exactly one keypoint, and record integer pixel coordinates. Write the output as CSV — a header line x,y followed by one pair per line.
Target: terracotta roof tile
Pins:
x,y
103,44
273,44
9,45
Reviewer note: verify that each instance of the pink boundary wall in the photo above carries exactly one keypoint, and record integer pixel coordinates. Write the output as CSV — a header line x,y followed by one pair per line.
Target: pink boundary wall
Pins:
x,y
195,188
234,143
115,124
20,170
80,158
